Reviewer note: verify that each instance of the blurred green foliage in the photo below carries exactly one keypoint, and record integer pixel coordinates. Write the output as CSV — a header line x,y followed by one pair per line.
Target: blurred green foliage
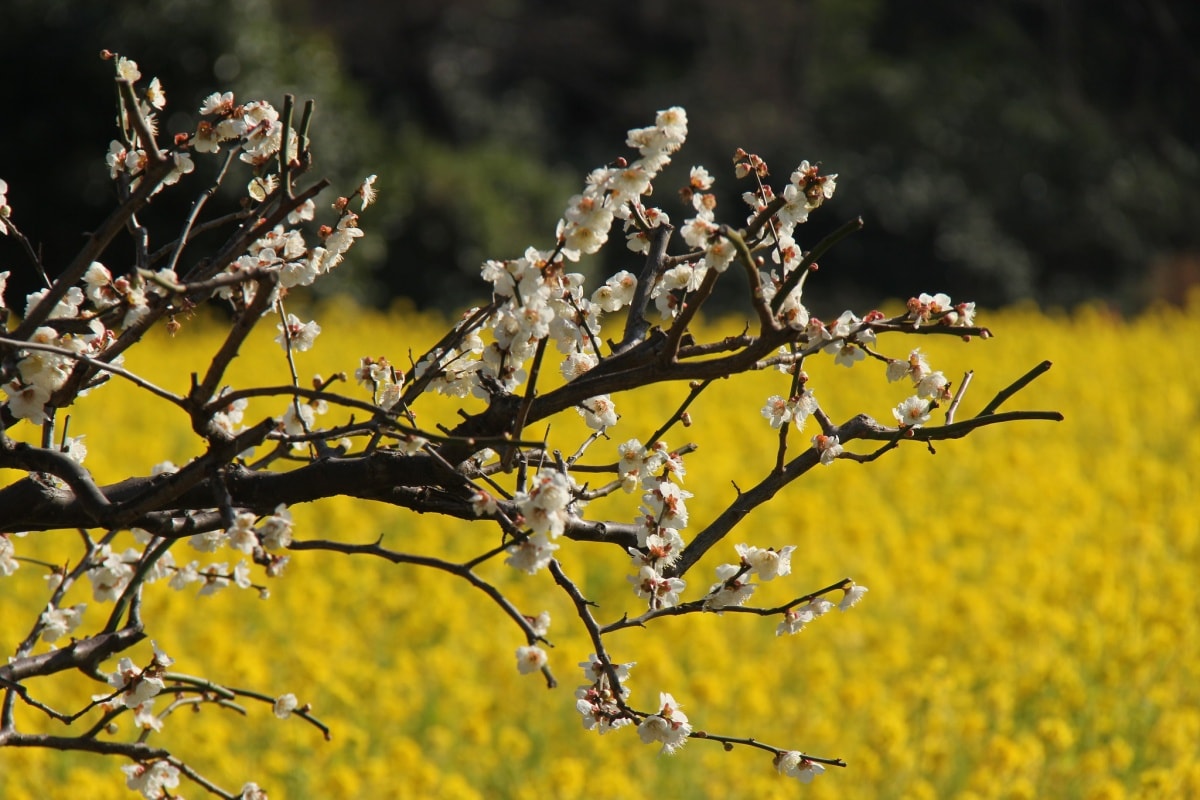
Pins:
x,y
1001,151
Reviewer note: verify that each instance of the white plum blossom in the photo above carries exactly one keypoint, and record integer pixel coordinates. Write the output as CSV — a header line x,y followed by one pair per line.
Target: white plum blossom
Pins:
x,y
658,142
544,506
577,364
46,370
161,660
217,103
185,575
209,541
127,70
794,620
795,211
531,659
5,212
98,285
242,535
617,291
818,607
27,402
913,412
697,231
482,503
662,549
284,705
962,315
215,578
593,669
666,503
732,588
700,179
540,625
828,447
136,685
298,422
340,241
934,385
915,367
181,164
852,594
241,575
229,418
252,791
111,573
276,529
659,592
297,335
8,560
531,555
162,568
632,464
599,412
58,622
767,563
586,223
817,188
669,726
719,254
305,212
366,192
779,410
598,708
145,718
153,779
846,353
930,307
795,765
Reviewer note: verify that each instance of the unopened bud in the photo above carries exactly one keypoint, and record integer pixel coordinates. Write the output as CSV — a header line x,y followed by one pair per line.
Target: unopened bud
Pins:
x,y
686,419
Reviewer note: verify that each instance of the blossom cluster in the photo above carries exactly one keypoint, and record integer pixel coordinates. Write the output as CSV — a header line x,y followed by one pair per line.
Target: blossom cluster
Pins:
x,y
545,507
110,572
90,317
538,300
848,340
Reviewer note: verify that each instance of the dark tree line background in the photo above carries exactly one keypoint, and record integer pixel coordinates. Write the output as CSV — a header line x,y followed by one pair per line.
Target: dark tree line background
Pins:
x,y
1016,149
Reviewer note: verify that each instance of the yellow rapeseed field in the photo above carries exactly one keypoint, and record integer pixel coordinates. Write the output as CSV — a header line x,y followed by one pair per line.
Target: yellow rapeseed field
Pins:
x,y
1031,629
